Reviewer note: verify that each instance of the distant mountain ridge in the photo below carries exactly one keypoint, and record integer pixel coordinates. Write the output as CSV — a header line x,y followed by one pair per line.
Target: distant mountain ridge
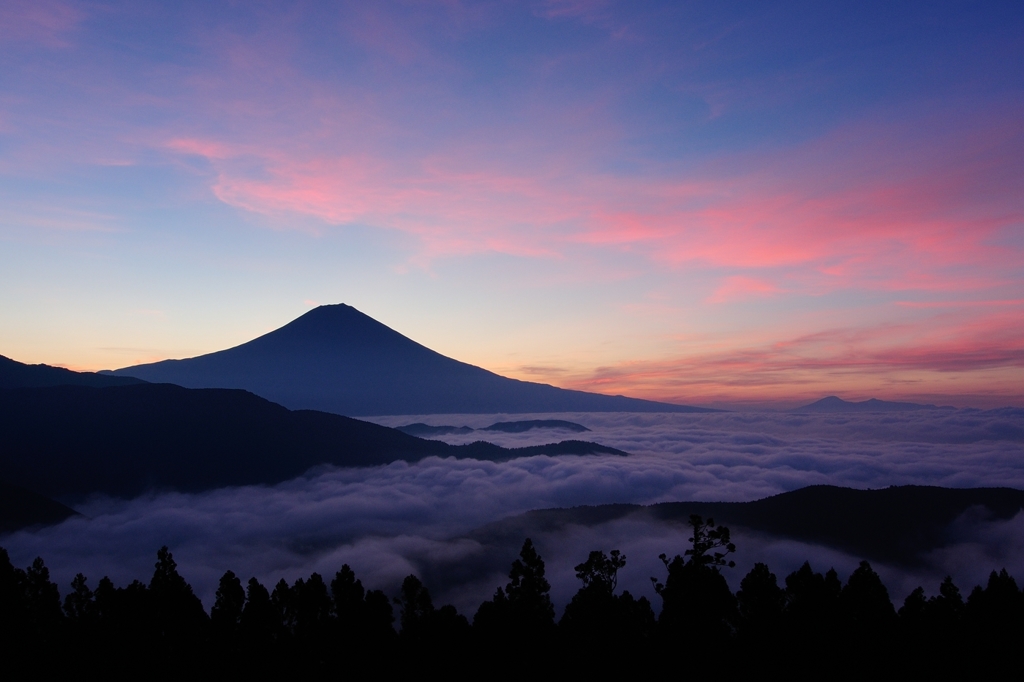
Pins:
x,y
337,359
531,424
421,430
835,404
426,430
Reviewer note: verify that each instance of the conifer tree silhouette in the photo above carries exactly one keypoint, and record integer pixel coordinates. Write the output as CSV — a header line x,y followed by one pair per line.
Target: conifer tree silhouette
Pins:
x,y
760,601
42,600
80,602
416,608
177,615
528,590
523,609
229,602
259,622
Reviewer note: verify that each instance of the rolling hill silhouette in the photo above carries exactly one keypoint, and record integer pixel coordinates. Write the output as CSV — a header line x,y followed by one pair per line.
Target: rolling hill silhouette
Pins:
x,y
896,525
68,442
336,359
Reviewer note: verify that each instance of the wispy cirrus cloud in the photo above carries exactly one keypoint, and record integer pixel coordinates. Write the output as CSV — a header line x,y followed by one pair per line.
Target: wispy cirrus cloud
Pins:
x,y
867,204
901,230
741,288
983,355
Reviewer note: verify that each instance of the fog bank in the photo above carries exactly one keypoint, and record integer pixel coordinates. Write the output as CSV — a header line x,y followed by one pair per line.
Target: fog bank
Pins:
x,y
402,518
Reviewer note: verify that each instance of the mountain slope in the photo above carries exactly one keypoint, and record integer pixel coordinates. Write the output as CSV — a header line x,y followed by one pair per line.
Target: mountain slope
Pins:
x,y
14,374
336,359
20,508
71,441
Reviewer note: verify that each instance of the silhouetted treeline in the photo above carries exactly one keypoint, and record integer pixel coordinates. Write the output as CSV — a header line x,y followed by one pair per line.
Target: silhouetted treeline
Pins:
x,y
808,624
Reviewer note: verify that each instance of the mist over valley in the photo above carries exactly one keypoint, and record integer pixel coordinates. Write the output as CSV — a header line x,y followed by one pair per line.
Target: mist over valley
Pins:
x,y
425,516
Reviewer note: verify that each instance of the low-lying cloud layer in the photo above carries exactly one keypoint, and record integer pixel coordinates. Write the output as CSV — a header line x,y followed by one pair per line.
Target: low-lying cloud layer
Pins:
x,y
402,518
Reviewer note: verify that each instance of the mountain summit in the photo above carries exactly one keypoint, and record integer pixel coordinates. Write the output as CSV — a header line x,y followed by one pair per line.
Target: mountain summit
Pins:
x,y
336,359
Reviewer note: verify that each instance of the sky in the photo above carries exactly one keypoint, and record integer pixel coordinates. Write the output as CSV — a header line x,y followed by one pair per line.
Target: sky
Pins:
x,y
733,204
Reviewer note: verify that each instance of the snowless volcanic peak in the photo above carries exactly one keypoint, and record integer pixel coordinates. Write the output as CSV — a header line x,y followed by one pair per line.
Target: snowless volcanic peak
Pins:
x,y
337,359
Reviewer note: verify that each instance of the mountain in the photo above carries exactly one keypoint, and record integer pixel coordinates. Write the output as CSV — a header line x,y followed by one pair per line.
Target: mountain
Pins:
x,y
20,508
68,442
421,430
426,430
336,359
835,404
14,374
896,525
530,424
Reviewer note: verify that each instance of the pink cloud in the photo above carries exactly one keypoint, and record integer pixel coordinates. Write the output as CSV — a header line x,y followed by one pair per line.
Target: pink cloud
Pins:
x,y
873,206
977,356
1016,302
741,288
209,149
452,211
897,228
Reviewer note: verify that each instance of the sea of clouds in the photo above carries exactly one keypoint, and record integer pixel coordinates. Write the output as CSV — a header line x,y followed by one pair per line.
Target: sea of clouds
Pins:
x,y
389,521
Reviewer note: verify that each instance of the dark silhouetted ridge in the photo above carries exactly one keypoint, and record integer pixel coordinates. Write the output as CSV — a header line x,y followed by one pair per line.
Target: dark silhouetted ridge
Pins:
x,y
895,525
426,430
336,359
14,374
529,425
71,441
422,430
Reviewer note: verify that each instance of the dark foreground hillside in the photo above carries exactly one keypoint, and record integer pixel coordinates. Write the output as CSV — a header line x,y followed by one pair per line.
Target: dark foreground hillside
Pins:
x,y
71,441
807,625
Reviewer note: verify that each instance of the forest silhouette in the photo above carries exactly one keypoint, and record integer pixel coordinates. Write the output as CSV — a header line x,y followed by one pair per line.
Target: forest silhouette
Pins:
x,y
809,624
